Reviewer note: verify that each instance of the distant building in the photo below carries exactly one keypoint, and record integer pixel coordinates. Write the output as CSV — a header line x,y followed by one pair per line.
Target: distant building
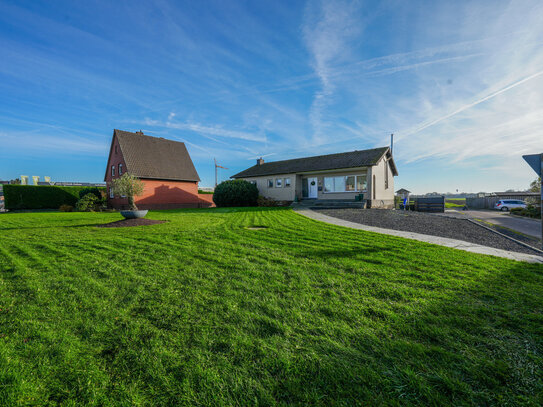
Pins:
x,y
164,166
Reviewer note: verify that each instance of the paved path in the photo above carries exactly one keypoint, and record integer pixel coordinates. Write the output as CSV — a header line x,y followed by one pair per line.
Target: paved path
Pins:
x,y
530,227
442,241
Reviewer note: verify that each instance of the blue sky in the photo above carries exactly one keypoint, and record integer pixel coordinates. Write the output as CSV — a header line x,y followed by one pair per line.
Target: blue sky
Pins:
x,y
460,84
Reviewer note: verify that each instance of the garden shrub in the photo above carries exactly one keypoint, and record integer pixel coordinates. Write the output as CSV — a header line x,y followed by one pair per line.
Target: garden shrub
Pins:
x,y
235,193
530,212
269,202
89,202
92,190
41,196
66,208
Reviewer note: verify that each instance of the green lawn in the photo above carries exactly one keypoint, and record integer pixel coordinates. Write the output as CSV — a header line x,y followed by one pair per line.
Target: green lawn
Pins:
x,y
204,311
455,202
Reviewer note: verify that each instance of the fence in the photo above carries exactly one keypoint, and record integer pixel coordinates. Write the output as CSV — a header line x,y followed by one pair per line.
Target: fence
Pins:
x,y
487,202
433,204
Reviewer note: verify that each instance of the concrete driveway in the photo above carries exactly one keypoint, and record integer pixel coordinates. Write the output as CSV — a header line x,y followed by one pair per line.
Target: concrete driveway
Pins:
x,y
530,227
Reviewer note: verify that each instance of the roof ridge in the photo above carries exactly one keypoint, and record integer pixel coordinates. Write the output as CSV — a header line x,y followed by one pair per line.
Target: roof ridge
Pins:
x,y
322,155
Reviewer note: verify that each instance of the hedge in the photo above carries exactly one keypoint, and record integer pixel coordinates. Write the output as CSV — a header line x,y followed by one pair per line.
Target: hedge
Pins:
x,y
235,193
41,196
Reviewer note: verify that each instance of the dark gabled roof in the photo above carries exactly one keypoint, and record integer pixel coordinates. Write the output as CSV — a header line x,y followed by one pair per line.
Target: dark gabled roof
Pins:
x,y
351,159
154,157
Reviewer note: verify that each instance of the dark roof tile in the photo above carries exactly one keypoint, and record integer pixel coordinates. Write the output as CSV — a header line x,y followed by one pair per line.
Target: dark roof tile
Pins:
x,y
350,159
155,158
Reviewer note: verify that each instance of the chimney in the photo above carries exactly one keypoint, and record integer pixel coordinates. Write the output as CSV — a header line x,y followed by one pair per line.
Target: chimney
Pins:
x,y
259,161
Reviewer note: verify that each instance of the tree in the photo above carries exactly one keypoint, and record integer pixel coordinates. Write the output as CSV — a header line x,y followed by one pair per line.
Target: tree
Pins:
x,y
130,186
535,186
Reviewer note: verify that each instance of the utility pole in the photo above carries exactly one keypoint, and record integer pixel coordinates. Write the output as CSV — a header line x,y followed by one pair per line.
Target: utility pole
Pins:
x,y
217,166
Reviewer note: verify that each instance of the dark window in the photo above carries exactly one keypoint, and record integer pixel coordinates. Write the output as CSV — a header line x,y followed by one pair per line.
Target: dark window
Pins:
x,y
120,169
270,183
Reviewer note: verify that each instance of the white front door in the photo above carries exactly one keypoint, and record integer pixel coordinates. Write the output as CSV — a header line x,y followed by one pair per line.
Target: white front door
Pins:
x,y
312,187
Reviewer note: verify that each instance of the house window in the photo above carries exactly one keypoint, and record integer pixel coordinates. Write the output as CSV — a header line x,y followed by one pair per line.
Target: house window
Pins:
x,y
120,169
270,183
287,182
349,183
278,182
361,182
386,174
253,182
111,193
112,170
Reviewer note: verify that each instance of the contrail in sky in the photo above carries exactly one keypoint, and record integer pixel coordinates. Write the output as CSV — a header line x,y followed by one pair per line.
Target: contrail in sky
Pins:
x,y
520,82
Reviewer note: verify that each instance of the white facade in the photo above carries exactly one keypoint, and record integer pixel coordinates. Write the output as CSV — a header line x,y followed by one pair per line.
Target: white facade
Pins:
x,y
376,183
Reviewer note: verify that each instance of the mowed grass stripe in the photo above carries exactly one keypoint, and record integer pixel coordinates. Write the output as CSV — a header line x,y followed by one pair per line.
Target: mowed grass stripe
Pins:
x,y
203,311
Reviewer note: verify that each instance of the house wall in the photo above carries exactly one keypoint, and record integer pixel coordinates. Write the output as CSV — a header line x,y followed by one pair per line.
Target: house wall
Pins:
x,y
381,196
279,194
159,194
115,158
206,200
289,193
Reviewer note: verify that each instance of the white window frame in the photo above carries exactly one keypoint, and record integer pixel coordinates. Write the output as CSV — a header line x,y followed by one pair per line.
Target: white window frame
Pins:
x,y
278,182
112,170
287,183
345,183
120,169
111,193
270,182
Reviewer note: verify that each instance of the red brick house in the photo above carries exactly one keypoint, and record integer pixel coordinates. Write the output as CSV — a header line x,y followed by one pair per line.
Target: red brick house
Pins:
x,y
164,166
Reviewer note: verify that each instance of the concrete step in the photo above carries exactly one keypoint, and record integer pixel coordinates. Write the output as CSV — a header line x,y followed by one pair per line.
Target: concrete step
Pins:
x,y
331,204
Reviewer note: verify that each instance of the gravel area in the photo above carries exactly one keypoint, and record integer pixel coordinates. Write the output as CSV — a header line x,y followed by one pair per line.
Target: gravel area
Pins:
x,y
428,224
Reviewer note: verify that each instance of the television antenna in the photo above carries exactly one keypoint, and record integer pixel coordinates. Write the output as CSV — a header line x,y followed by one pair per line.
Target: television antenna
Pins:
x,y
217,166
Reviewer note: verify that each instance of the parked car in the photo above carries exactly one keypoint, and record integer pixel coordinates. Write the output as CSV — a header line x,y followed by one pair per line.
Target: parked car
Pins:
x,y
507,204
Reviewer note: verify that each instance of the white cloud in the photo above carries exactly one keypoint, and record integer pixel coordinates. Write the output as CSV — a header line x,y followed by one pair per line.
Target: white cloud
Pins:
x,y
327,29
208,130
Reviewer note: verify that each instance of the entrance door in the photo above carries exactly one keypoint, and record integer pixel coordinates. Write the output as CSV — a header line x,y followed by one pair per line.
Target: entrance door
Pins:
x,y
312,187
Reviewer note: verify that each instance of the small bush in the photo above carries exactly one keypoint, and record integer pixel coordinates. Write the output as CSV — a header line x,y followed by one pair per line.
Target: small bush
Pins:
x,y
88,203
530,212
235,193
66,208
269,202
99,193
